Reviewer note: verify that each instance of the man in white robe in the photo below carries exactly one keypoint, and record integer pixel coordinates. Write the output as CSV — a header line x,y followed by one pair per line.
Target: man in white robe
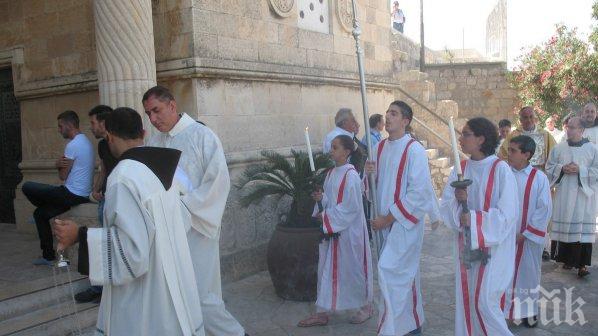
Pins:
x,y
346,124
556,133
493,211
140,256
203,162
588,115
405,196
521,299
572,168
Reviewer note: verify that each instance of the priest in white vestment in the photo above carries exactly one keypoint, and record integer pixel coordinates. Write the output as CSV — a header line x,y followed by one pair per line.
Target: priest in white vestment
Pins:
x,y
345,277
556,133
493,212
572,169
203,162
588,115
140,256
521,299
405,196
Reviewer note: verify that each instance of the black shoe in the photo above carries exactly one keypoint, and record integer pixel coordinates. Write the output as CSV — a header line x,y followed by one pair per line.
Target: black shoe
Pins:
x,y
530,322
545,255
417,331
583,272
88,295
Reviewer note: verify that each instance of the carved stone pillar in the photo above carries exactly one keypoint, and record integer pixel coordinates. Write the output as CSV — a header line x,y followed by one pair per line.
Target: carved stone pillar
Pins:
x,y
125,52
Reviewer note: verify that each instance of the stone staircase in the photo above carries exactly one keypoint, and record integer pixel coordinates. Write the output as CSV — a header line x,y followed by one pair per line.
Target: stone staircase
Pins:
x,y
37,300
45,309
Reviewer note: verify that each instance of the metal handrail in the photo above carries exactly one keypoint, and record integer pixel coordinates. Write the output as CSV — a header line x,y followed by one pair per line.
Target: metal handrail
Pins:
x,y
438,136
426,108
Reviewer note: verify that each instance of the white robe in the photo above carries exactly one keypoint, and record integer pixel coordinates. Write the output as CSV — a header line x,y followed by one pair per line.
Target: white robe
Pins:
x,y
142,259
536,204
479,289
557,134
401,309
574,209
345,278
203,161
327,145
592,134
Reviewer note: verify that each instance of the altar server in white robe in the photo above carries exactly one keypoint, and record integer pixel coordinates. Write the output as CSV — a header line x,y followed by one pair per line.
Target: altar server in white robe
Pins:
x,y
588,116
345,279
493,212
573,170
203,162
405,197
521,299
141,256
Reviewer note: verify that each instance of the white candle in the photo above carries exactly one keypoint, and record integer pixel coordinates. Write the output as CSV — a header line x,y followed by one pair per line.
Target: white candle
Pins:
x,y
457,161
309,153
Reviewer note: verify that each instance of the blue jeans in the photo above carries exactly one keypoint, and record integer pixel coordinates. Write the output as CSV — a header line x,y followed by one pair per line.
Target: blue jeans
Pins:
x,y
50,201
398,26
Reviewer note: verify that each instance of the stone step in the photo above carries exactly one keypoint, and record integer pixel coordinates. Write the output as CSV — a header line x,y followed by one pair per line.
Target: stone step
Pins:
x,y
440,162
432,153
40,294
55,320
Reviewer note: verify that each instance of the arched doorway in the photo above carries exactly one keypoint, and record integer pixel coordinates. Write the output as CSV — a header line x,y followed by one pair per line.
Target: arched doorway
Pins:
x,y
10,146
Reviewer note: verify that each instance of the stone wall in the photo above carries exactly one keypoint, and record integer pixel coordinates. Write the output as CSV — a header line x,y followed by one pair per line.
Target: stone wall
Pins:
x,y
480,89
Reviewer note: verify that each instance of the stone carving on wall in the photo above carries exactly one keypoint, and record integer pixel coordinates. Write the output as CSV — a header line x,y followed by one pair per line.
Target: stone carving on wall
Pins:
x,y
282,8
344,11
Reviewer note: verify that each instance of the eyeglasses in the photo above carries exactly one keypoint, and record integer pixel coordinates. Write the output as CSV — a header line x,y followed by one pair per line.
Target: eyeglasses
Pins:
x,y
467,134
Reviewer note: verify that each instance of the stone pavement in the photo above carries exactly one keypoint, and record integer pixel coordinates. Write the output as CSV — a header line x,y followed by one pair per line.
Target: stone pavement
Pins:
x,y
253,301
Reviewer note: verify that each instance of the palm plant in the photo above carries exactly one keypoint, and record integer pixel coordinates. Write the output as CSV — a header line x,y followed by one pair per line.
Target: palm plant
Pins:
x,y
279,177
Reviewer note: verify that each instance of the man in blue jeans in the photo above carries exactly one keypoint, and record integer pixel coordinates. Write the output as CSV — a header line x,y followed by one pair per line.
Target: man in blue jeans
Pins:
x,y
97,117
75,168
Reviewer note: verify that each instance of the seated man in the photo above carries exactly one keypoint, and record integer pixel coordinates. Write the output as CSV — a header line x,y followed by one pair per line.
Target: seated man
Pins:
x,y
75,168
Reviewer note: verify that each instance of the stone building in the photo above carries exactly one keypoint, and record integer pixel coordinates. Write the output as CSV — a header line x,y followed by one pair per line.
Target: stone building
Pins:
x,y
256,72
496,32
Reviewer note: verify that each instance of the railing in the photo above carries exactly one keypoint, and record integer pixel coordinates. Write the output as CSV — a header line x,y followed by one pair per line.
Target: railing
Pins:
x,y
438,136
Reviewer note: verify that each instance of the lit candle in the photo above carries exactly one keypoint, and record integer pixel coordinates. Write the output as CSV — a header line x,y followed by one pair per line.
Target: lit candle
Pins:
x,y
457,161
309,153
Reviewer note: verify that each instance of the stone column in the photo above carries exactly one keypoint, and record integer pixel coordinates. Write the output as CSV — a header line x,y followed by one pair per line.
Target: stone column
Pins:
x,y
125,52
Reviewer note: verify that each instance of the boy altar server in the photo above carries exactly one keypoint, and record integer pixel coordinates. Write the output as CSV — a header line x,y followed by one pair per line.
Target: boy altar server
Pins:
x,y
405,196
521,299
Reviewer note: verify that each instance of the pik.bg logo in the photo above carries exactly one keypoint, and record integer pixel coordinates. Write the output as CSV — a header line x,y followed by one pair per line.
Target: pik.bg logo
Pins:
x,y
552,307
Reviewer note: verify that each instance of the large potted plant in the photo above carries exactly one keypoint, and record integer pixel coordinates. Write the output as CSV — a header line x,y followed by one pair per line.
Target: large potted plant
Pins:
x,y
292,255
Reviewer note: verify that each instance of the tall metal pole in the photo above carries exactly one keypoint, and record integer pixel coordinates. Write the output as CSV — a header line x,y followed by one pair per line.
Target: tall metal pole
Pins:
x,y
378,238
422,49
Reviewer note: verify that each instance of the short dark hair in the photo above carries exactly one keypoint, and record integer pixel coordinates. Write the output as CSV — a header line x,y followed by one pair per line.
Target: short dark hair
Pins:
x,y
504,123
70,117
159,92
406,110
526,144
346,142
100,111
124,123
375,119
483,127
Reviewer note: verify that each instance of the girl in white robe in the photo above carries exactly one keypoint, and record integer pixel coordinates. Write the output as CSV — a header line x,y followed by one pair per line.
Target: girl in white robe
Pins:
x,y
521,299
345,264
494,209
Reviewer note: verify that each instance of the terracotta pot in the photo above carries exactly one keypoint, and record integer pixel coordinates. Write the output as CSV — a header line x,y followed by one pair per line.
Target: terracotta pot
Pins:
x,y
293,262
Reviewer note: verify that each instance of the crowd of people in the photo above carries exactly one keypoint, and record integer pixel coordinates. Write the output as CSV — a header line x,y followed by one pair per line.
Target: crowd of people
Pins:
x,y
155,257
525,186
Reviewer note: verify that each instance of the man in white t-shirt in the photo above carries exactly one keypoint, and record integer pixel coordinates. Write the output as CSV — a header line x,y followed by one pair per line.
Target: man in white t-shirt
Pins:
x,y
75,168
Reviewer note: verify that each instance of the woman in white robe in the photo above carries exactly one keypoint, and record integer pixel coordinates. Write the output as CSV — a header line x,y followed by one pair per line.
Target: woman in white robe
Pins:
x,y
345,279
493,211
521,299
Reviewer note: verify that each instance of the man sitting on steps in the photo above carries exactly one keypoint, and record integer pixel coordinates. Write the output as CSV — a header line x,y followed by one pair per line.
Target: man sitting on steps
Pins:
x,y
75,168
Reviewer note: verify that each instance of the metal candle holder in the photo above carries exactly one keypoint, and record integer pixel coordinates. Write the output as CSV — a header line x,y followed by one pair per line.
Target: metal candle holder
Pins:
x,y
468,256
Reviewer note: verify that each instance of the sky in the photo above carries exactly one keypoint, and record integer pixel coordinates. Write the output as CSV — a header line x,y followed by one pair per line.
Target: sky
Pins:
x,y
457,23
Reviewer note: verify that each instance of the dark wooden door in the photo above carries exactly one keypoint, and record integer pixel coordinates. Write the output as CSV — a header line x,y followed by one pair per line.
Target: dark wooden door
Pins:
x,y
10,146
